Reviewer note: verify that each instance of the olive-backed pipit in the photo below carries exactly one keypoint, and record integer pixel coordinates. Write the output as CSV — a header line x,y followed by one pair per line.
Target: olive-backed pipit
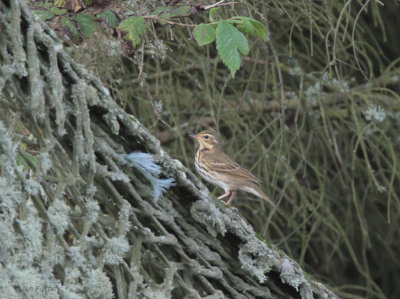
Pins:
x,y
218,169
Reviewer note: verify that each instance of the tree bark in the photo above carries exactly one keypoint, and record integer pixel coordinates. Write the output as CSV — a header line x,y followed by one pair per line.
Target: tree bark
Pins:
x,y
78,221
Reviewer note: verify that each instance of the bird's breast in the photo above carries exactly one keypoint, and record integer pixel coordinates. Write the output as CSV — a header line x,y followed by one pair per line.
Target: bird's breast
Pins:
x,y
209,175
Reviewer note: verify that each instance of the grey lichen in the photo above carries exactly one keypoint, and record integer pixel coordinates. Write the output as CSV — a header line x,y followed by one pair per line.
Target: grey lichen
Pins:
x,y
115,249
254,260
36,84
98,285
16,37
209,215
58,215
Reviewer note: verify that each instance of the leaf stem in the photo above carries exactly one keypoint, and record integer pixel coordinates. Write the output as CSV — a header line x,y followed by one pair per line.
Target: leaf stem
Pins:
x,y
158,19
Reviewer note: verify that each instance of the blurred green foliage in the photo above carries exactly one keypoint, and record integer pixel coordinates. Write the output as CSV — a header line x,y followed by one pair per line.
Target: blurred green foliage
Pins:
x,y
314,112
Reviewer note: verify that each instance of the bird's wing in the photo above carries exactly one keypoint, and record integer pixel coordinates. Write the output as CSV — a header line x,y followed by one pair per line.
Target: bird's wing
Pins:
x,y
220,162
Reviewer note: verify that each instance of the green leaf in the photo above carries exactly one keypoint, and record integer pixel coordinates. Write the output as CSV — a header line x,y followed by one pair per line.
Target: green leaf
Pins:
x,y
44,4
86,24
47,4
59,3
259,29
65,22
44,14
204,34
109,17
135,28
234,21
212,13
180,11
246,26
160,10
229,41
173,11
176,12
57,11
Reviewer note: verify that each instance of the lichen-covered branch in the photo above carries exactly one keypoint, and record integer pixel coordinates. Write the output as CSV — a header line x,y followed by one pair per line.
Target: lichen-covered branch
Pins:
x,y
78,221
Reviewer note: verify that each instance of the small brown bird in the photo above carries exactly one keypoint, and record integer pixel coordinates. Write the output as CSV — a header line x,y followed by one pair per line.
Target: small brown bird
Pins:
x,y
218,169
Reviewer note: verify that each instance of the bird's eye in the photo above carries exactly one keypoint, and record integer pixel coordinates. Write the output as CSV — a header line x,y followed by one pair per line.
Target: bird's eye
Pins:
x,y
206,137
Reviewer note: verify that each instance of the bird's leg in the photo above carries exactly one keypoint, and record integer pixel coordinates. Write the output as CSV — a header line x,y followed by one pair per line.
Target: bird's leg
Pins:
x,y
231,198
224,195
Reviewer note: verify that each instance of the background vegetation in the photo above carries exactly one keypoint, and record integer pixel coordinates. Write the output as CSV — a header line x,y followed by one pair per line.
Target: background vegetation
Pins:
x,y
314,112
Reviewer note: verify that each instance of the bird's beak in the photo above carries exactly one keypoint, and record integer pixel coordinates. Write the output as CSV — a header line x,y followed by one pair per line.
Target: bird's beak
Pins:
x,y
194,136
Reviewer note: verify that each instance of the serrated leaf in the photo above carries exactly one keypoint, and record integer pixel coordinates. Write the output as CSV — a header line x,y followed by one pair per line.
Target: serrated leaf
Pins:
x,y
65,22
109,17
229,41
133,23
134,27
86,24
213,11
58,11
44,14
259,28
246,26
204,34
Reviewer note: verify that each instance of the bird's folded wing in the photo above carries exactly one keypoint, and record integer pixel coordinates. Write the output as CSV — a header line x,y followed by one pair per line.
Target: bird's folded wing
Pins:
x,y
223,164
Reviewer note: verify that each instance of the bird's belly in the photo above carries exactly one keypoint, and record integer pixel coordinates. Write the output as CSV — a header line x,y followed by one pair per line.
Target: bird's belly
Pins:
x,y
212,178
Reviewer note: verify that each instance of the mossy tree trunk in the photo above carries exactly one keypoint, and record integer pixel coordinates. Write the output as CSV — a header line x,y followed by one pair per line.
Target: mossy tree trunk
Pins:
x,y
76,221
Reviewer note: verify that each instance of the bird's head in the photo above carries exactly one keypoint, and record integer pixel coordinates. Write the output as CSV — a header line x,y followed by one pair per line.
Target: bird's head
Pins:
x,y
206,139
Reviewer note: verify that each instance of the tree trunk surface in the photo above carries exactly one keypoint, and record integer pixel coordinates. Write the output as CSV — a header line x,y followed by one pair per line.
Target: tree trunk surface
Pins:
x,y
78,220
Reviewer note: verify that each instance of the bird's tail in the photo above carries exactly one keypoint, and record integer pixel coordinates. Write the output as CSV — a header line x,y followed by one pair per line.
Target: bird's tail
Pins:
x,y
258,192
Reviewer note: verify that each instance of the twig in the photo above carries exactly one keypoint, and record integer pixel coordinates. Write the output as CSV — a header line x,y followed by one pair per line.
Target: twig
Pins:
x,y
278,68
258,61
220,3
156,18
141,63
